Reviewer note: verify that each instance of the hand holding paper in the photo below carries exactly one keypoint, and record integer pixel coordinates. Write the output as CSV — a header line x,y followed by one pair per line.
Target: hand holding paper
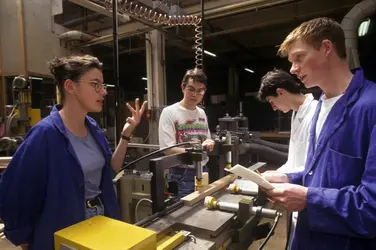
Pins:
x,y
250,175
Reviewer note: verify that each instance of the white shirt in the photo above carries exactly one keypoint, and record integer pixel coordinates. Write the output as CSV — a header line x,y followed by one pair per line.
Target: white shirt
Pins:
x,y
326,106
178,124
299,138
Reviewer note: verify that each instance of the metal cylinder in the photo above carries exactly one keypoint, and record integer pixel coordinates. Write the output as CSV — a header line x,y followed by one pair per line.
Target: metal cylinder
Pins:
x,y
212,203
199,170
235,189
227,206
228,154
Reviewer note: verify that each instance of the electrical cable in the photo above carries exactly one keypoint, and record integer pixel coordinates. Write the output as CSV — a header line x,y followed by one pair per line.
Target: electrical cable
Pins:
x,y
289,223
270,232
155,152
138,204
152,15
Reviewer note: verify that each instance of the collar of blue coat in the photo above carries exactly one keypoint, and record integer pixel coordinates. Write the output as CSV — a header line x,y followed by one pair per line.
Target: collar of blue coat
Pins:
x,y
351,93
335,119
56,118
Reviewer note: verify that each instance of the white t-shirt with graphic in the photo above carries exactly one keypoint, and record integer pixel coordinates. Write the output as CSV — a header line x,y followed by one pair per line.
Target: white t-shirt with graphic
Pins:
x,y
178,124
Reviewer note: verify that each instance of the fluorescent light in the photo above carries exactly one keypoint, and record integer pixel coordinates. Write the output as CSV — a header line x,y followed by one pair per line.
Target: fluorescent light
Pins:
x,y
144,78
209,53
36,78
110,86
363,27
249,70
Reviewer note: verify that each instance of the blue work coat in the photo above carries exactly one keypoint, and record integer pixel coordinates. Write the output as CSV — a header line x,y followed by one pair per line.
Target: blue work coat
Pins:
x,y
42,190
340,174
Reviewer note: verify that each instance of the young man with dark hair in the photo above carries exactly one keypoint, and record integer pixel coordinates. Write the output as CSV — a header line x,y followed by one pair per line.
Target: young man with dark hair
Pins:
x,y
185,121
282,91
335,194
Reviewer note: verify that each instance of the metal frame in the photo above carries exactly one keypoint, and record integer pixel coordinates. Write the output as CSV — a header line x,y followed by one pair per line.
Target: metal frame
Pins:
x,y
116,68
158,167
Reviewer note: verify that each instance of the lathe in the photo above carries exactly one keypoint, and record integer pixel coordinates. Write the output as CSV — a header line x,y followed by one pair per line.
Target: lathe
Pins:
x,y
222,215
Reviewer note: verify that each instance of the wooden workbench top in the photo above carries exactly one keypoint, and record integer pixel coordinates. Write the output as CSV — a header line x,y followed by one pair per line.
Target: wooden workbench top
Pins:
x,y
4,161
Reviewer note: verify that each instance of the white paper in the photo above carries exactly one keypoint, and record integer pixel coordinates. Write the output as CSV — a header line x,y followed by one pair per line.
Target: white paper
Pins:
x,y
241,171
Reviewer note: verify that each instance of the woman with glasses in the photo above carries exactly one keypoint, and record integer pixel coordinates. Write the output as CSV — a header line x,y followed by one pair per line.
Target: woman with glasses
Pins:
x,y
185,121
62,173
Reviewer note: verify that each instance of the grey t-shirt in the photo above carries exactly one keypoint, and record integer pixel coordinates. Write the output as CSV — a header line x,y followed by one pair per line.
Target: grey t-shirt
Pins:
x,y
92,162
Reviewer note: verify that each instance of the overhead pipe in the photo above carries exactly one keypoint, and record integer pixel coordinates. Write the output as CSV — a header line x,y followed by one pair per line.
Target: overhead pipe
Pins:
x,y
209,14
238,8
75,35
80,20
350,25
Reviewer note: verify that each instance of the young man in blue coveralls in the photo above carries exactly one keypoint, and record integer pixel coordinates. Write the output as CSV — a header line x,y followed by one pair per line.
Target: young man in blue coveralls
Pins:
x,y
336,193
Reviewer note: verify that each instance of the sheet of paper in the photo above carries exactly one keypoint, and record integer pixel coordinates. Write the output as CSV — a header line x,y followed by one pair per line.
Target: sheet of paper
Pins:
x,y
241,171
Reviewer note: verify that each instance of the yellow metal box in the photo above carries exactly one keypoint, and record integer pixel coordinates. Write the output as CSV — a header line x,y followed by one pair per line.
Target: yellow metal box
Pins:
x,y
102,233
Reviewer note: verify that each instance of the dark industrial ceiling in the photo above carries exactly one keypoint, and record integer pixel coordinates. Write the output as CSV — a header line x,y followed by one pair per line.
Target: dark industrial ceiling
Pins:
x,y
243,30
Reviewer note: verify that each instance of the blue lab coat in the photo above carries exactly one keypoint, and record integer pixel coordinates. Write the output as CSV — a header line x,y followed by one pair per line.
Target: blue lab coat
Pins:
x,y
42,190
340,174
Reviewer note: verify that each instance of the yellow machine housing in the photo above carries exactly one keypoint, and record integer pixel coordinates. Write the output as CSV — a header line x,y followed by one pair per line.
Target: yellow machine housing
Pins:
x,y
102,233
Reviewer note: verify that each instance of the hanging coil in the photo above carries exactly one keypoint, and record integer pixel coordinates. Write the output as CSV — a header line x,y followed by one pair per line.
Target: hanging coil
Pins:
x,y
151,15
198,46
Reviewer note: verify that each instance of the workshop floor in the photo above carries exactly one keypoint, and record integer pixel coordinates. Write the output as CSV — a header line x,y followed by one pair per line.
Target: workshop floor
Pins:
x,y
4,243
276,242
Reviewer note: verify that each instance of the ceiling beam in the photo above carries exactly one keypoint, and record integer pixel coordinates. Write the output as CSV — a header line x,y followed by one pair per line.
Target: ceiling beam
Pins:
x,y
99,9
226,8
279,15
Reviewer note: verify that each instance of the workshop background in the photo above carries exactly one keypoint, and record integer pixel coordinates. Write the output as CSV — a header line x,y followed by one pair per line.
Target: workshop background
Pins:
x,y
240,40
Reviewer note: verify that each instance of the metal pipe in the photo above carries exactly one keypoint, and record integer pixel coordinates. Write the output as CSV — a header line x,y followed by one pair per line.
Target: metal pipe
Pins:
x,y
242,7
116,69
280,21
78,21
350,24
199,170
211,203
75,35
235,189
140,145
208,15
229,153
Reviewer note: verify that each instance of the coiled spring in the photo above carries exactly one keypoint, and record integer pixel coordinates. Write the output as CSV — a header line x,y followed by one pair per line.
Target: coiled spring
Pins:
x,y
128,7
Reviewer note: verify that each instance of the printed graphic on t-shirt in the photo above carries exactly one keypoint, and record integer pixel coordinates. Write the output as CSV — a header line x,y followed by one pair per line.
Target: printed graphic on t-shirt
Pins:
x,y
193,129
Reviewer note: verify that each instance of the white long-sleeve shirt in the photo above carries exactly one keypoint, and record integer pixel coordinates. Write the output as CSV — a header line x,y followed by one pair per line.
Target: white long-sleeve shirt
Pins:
x,y
300,126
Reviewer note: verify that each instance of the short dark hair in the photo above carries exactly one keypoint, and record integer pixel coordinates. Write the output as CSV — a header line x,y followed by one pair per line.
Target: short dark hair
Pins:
x,y
71,68
313,32
196,74
274,80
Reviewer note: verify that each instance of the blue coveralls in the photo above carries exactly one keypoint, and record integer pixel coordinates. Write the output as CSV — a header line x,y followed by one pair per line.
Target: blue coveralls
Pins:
x,y
340,174
42,190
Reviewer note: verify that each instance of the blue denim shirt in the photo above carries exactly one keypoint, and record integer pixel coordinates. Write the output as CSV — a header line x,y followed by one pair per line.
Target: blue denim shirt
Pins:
x,y
42,190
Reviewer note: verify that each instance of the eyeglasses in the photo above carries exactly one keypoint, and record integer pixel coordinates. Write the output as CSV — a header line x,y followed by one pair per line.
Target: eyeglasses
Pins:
x,y
193,91
98,86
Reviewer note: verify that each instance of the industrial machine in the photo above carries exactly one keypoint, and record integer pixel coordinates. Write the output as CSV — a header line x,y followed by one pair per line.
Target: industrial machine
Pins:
x,y
222,215
135,187
20,115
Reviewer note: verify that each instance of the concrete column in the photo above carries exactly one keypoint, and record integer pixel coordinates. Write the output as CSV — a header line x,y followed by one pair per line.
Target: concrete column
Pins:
x,y
156,79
